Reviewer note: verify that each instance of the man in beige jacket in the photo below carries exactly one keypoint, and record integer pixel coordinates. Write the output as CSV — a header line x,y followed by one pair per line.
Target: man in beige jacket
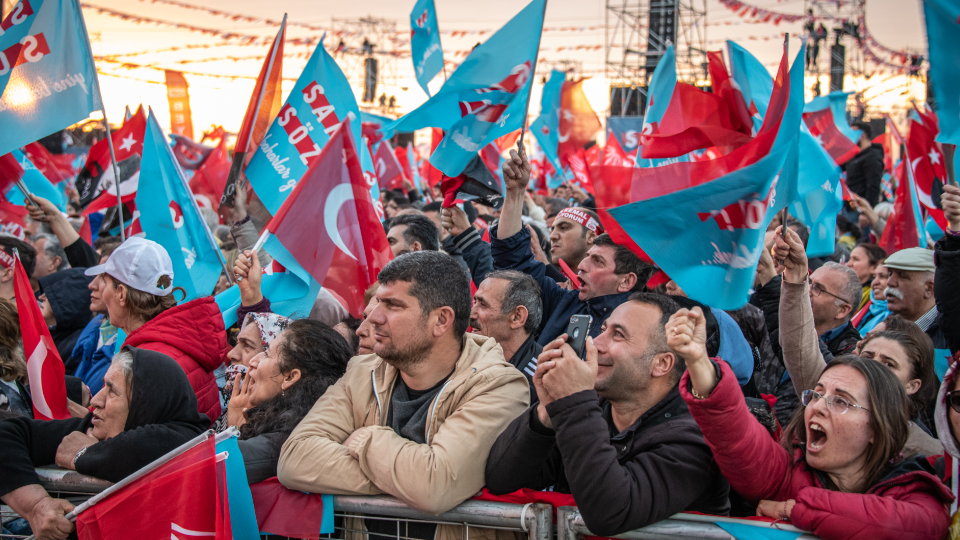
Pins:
x,y
417,418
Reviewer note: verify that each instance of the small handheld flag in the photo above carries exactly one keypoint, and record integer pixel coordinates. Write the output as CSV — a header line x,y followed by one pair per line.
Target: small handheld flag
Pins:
x,y
44,367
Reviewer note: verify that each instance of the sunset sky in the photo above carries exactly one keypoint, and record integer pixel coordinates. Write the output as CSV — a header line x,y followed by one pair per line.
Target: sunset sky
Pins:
x,y
895,23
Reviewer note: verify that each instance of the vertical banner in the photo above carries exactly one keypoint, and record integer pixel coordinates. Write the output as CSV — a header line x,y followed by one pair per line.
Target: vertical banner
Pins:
x,y
179,98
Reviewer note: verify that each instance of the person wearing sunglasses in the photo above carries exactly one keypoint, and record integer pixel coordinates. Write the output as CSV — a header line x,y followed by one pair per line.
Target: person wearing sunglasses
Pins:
x,y
799,331
838,470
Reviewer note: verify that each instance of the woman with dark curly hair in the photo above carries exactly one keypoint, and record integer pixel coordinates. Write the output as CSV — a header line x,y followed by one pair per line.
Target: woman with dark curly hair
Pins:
x,y
280,388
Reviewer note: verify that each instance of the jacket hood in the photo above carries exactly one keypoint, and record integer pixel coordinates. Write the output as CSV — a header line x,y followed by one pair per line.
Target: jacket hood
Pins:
x,y
194,328
161,393
69,298
941,416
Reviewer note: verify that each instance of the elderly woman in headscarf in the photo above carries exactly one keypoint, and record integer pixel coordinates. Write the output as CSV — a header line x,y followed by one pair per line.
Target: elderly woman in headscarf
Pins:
x,y
257,331
145,409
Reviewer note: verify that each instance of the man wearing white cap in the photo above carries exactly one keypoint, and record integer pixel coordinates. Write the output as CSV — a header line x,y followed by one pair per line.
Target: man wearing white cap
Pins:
x,y
910,290
136,285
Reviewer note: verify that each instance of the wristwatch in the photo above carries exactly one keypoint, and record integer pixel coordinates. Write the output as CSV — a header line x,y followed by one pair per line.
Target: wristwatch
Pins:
x,y
76,457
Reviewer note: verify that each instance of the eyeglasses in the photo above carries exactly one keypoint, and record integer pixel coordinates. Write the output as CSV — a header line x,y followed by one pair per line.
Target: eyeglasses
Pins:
x,y
836,404
817,288
953,400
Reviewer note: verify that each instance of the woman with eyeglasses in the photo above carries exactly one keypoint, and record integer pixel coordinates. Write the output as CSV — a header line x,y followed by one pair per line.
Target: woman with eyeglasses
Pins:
x,y
838,470
909,356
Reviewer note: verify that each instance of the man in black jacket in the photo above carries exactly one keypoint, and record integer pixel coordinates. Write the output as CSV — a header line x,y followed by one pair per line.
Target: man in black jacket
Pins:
x,y
507,307
613,430
865,170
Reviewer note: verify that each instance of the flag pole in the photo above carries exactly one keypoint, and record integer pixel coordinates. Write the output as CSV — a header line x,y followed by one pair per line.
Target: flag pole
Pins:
x,y
256,247
196,208
533,74
116,170
948,153
146,469
783,213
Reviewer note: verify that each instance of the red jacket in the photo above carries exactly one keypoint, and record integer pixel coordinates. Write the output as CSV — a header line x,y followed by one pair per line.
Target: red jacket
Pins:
x,y
907,503
194,336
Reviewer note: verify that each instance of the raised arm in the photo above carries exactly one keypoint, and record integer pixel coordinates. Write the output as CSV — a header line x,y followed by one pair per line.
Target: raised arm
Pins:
x,y
756,466
798,336
516,175
79,253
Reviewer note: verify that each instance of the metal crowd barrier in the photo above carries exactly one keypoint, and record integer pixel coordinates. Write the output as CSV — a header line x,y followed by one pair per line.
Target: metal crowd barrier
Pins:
x,y
534,520
570,526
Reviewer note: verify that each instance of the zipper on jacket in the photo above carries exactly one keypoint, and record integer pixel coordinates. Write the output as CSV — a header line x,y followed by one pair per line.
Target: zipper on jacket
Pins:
x,y
433,409
376,394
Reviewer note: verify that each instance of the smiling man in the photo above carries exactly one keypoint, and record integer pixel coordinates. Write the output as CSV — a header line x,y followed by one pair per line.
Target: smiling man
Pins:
x,y
608,274
416,418
612,429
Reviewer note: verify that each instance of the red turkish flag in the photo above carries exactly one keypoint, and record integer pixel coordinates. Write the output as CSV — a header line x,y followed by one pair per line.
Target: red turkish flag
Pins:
x,y
330,225
430,173
285,512
928,164
95,182
612,189
901,231
44,366
694,119
578,121
388,170
177,501
210,179
44,162
824,129
725,87
11,218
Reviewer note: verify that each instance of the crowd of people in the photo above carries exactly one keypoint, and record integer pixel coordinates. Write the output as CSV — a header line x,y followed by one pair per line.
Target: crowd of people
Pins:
x,y
830,399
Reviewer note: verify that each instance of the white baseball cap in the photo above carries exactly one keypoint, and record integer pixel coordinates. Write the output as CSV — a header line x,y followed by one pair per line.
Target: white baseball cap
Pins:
x,y
138,263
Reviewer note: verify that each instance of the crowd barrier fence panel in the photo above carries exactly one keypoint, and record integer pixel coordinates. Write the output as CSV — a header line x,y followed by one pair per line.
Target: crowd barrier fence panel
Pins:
x,y
570,526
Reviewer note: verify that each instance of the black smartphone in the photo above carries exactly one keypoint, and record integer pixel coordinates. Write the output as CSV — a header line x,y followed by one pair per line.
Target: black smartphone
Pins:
x,y
577,332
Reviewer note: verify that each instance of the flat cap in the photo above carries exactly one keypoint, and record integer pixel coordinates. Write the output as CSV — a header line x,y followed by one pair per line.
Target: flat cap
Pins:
x,y
912,260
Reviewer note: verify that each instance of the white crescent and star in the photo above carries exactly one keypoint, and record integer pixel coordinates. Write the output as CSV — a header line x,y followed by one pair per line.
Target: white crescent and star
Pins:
x,y
331,209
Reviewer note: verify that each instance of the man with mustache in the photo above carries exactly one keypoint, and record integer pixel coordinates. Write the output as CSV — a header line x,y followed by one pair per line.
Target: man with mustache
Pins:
x,y
909,291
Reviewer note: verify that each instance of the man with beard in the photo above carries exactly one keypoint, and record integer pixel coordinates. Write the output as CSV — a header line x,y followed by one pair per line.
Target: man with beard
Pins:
x,y
507,308
611,429
415,419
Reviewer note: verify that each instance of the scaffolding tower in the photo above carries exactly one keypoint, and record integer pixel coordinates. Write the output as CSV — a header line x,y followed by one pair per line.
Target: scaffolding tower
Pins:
x,y
837,52
354,41
638,32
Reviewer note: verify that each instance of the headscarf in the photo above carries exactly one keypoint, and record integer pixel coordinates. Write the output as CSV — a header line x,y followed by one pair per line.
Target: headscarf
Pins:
x,y
269,324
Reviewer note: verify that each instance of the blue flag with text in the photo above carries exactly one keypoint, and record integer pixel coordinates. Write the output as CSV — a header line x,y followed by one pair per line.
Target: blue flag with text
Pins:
x,y
47,77
169,216
486,96
425,43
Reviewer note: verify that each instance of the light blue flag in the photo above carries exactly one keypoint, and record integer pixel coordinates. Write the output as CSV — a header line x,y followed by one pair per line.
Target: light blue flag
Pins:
x,y
546,128
425,43
321,99
708,238
943,46
627,130
837,103
47,77
818,188
243,518
662,84
169,216
486,96
743,531
36,183
659,93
